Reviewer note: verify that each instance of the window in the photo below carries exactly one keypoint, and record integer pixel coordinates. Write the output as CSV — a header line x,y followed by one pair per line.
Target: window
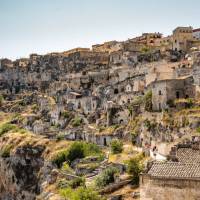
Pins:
x,y
116,91
177,94
159,106
104,142
160,93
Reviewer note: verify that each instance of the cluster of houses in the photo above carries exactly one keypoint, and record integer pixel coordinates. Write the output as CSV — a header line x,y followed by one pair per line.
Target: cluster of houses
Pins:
x,y
111,74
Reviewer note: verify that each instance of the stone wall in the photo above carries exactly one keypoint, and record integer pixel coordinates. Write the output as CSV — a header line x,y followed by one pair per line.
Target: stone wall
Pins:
x,y
168,189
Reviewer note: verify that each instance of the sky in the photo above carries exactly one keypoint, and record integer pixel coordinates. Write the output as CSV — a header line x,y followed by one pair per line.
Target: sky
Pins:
x,y
43,26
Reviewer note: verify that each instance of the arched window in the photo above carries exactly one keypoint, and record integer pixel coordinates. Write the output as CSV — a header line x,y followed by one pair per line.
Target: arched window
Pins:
x,y
116,91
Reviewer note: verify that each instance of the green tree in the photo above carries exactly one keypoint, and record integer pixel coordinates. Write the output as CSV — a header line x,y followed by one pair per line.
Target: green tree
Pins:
x,y
148,101
75,151
106,177
116,146
80,193
135,167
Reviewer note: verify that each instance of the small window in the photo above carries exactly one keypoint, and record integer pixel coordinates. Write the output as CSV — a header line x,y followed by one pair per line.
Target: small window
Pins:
x,y
116,91
160,93
159,105
177,95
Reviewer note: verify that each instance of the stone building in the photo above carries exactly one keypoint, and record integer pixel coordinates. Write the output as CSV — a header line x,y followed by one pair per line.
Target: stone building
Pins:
x,y
196,33
166,91
177,178
181,38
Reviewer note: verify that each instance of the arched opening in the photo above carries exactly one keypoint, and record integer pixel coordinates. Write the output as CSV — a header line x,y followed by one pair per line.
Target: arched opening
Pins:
x,y
116,91
121,121
104,142
177,94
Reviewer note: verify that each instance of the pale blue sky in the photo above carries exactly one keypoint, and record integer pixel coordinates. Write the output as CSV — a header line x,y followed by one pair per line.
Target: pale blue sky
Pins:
x,y
43,26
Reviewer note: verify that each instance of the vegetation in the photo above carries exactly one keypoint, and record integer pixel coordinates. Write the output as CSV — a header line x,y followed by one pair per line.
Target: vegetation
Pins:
x,y
135,167
145,49
76,121
198,129
1,100
6,127
134,136
81,193
170,103
148,101
150,125
106,177
5,152
116,146
65,114
60,136
75,151
60,158
66,168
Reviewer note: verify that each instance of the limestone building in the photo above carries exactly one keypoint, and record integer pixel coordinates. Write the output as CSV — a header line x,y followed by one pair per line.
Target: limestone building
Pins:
x,y
177,178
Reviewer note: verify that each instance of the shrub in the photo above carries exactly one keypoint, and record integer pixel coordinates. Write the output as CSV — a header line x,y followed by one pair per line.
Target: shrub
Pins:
x,y
106,177
5,152
148,101
80,193
116,146
75,151
198,129
65,114
77,182
76,121
4,128
170,103
135,167
60,158
190,103
66,168
1,100
60,137
134,136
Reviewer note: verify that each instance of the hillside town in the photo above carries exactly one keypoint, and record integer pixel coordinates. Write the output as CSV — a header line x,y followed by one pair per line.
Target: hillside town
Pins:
x,y
142,94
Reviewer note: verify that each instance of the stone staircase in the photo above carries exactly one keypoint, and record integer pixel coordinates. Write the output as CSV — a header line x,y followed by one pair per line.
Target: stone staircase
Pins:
x,y
91,176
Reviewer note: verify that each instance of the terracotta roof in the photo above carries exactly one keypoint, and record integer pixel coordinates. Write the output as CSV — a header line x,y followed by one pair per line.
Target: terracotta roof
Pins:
x,y
174,170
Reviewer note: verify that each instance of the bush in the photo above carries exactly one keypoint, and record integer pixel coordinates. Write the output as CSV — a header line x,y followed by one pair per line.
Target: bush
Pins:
x,y
106,177
135,167
75,151
5,152
134,136
148,101
60,137
4,128
1,100
190,103
66,168
76,121
60,158
116,146
77,182
170,103
65,114
80,193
